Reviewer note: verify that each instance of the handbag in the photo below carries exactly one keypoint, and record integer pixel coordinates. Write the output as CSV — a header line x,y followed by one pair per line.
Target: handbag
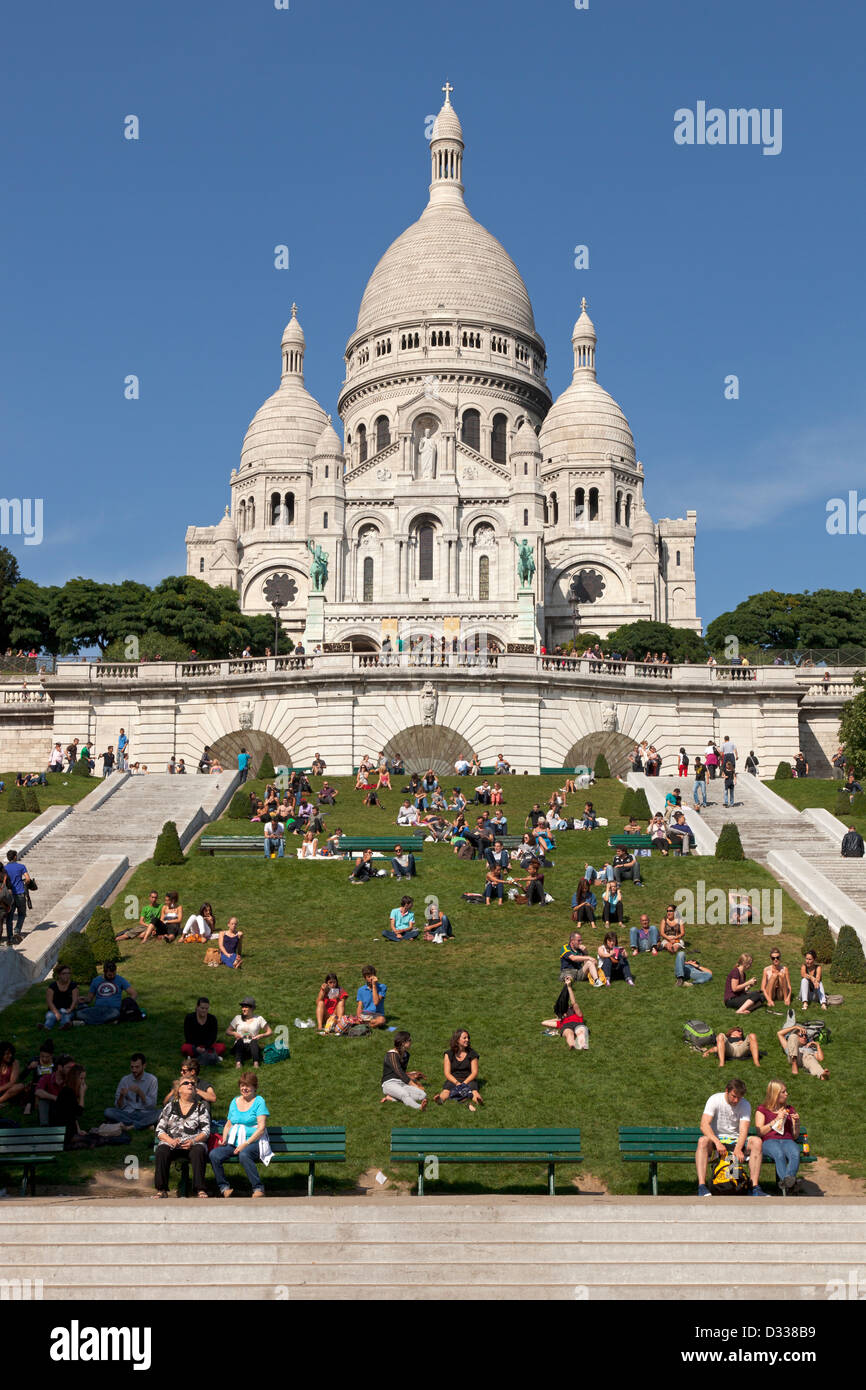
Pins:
x,y
212,956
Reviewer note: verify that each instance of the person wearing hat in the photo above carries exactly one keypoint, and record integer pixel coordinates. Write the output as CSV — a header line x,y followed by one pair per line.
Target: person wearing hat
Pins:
x,y
247,1028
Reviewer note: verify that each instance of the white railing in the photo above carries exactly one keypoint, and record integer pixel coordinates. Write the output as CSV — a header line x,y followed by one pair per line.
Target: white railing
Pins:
x,y
25,697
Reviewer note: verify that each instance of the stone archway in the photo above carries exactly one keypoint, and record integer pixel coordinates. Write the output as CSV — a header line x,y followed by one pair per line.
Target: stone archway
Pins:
x,y
617,748
256,743
429,745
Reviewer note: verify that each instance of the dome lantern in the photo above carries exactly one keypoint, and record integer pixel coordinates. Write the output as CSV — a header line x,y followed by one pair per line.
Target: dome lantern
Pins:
x,y
446,154
583,340
293,346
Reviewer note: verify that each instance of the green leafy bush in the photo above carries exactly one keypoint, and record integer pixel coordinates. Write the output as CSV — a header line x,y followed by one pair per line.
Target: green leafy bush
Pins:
x,y
31,800
846,807
641,807
81,768
77,953
266,772
100,934
783,771
626,806
819,938
602,768
239,806
14,799
168,850
729,845
849,963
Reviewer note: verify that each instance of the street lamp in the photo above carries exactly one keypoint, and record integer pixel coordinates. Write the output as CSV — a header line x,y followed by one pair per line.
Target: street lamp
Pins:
x,y
279,591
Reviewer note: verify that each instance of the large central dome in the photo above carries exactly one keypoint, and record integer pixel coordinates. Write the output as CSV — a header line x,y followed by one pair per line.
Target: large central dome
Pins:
x,y
446,261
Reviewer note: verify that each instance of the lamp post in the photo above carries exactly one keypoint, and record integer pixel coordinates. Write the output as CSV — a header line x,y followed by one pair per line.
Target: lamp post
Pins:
x,y
279,591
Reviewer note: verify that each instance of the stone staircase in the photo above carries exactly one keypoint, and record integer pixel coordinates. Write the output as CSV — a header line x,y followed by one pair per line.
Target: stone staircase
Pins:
x,y
574,1248
762,828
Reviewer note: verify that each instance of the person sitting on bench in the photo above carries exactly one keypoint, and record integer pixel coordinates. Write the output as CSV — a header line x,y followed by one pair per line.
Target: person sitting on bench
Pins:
x,y
680,831
274,838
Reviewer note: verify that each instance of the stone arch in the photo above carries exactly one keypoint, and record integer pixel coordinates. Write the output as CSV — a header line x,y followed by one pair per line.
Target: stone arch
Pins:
x,y
433,745
361,641
257,744
617,748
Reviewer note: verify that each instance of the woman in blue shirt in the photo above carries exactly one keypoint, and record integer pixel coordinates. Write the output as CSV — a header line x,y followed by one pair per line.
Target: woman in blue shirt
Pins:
x,y
244,1137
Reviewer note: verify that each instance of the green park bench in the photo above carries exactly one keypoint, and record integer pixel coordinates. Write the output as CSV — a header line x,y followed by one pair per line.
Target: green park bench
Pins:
x,y
26,1148
310,1144
655,1144
231,844
631,841
349,844
550,1146
354,844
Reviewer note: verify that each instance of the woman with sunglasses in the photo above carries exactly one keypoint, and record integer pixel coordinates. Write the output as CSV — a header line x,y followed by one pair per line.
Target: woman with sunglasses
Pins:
x,y
182,1132
776,981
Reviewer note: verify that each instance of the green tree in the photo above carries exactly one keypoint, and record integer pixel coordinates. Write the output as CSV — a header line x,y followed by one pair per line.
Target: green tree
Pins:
x,y
818,938
602,767
266,771
167,849
641,637
83,610
852,727
77,953
729,845
100,935
827,618
151,646
30,610
10,576
849,963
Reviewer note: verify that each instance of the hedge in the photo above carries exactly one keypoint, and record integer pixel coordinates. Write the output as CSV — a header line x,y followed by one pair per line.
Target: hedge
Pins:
x,y
602,767
168,850
849,963
77,953
819,938
100,933
729,845
783,771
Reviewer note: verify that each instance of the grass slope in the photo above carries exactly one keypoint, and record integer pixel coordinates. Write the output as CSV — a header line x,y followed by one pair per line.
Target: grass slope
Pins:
x,y
498,978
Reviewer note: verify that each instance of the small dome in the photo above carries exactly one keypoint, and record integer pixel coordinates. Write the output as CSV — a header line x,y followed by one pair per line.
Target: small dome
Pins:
x,y
643,525
328,442
526,440
584,328
226,529
285,429
585,423
294,333
447,125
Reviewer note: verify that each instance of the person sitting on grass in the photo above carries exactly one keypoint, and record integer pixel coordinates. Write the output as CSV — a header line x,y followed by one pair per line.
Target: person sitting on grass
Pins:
x,y
533,884
274,838
734,1045
327,794
778,1124
402,920
794,1042
460,1067
149,917
11,1085
330,1002
61,998
200,926
612,907
248,1028
435,825
200,1030
106,995
437,926
672,933
230,943
589,820
575,964
724,1128
166,927
182,1132
136,1097
776,981
371,998
688,971
244,1137
408,814
498,856
739,991
613,960
811,986
364,868
384,782
644,937
625,865
398,1083
569,1021
494,885
584,903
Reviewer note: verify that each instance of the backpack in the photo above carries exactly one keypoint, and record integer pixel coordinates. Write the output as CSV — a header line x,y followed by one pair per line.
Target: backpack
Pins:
x,y
817,1032
275,1052
129,1012
730,1178
698,1035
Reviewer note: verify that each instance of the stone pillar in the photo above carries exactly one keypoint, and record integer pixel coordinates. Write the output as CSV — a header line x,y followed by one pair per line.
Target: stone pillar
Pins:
x,y
526,628
315,629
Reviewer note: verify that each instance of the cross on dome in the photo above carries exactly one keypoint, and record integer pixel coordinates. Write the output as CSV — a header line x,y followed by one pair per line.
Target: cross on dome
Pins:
x,y
447,89
294,311
582,303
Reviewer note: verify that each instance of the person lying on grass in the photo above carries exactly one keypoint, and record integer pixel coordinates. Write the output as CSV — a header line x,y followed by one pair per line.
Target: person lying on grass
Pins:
x,y
734,1045
569,1021
460,1066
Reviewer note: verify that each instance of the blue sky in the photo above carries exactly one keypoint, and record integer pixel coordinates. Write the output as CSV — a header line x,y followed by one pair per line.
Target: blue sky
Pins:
x,y
306,127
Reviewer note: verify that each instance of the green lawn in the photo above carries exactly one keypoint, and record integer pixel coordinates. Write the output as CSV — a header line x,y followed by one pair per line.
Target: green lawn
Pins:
x,y
62,790
498,978
819,792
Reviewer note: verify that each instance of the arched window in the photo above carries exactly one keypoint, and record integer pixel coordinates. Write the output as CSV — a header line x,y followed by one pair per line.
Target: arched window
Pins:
x,y
383,433
618,510
484,577
579,503
471,430
201,565
678,559
593,504
498,438
546,509
525,517
289,508
368,579
242,516
425,551
628,509
276,509
324,521
251,513
362,443
554,507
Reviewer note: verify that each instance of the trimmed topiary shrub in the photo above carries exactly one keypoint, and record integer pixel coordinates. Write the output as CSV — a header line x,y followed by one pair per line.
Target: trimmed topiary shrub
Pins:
x,y
849,963
641,808
602,768
819,938
729,845
31,800
239,806
14,799
783,771
100,934
77,953
168,850
845,808
81,768
626,806
266,772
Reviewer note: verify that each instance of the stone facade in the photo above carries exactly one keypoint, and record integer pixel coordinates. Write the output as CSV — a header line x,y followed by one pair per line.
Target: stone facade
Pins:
x,y
452,454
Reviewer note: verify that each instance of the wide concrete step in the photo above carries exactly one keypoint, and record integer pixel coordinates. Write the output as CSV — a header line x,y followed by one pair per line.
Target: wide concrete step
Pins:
x,y
477,1290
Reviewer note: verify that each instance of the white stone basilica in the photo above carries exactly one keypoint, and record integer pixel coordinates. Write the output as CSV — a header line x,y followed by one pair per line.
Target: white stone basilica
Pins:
x,y
454,454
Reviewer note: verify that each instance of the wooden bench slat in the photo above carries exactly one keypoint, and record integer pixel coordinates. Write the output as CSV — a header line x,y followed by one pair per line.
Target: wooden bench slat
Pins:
x,y
550,1146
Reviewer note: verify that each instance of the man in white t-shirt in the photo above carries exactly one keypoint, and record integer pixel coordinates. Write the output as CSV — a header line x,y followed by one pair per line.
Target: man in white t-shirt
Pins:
x,y
724,1127
408,814
729,749
461,767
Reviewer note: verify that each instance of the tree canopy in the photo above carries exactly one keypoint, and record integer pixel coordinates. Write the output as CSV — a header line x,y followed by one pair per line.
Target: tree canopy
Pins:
x,y
829,618
645,636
